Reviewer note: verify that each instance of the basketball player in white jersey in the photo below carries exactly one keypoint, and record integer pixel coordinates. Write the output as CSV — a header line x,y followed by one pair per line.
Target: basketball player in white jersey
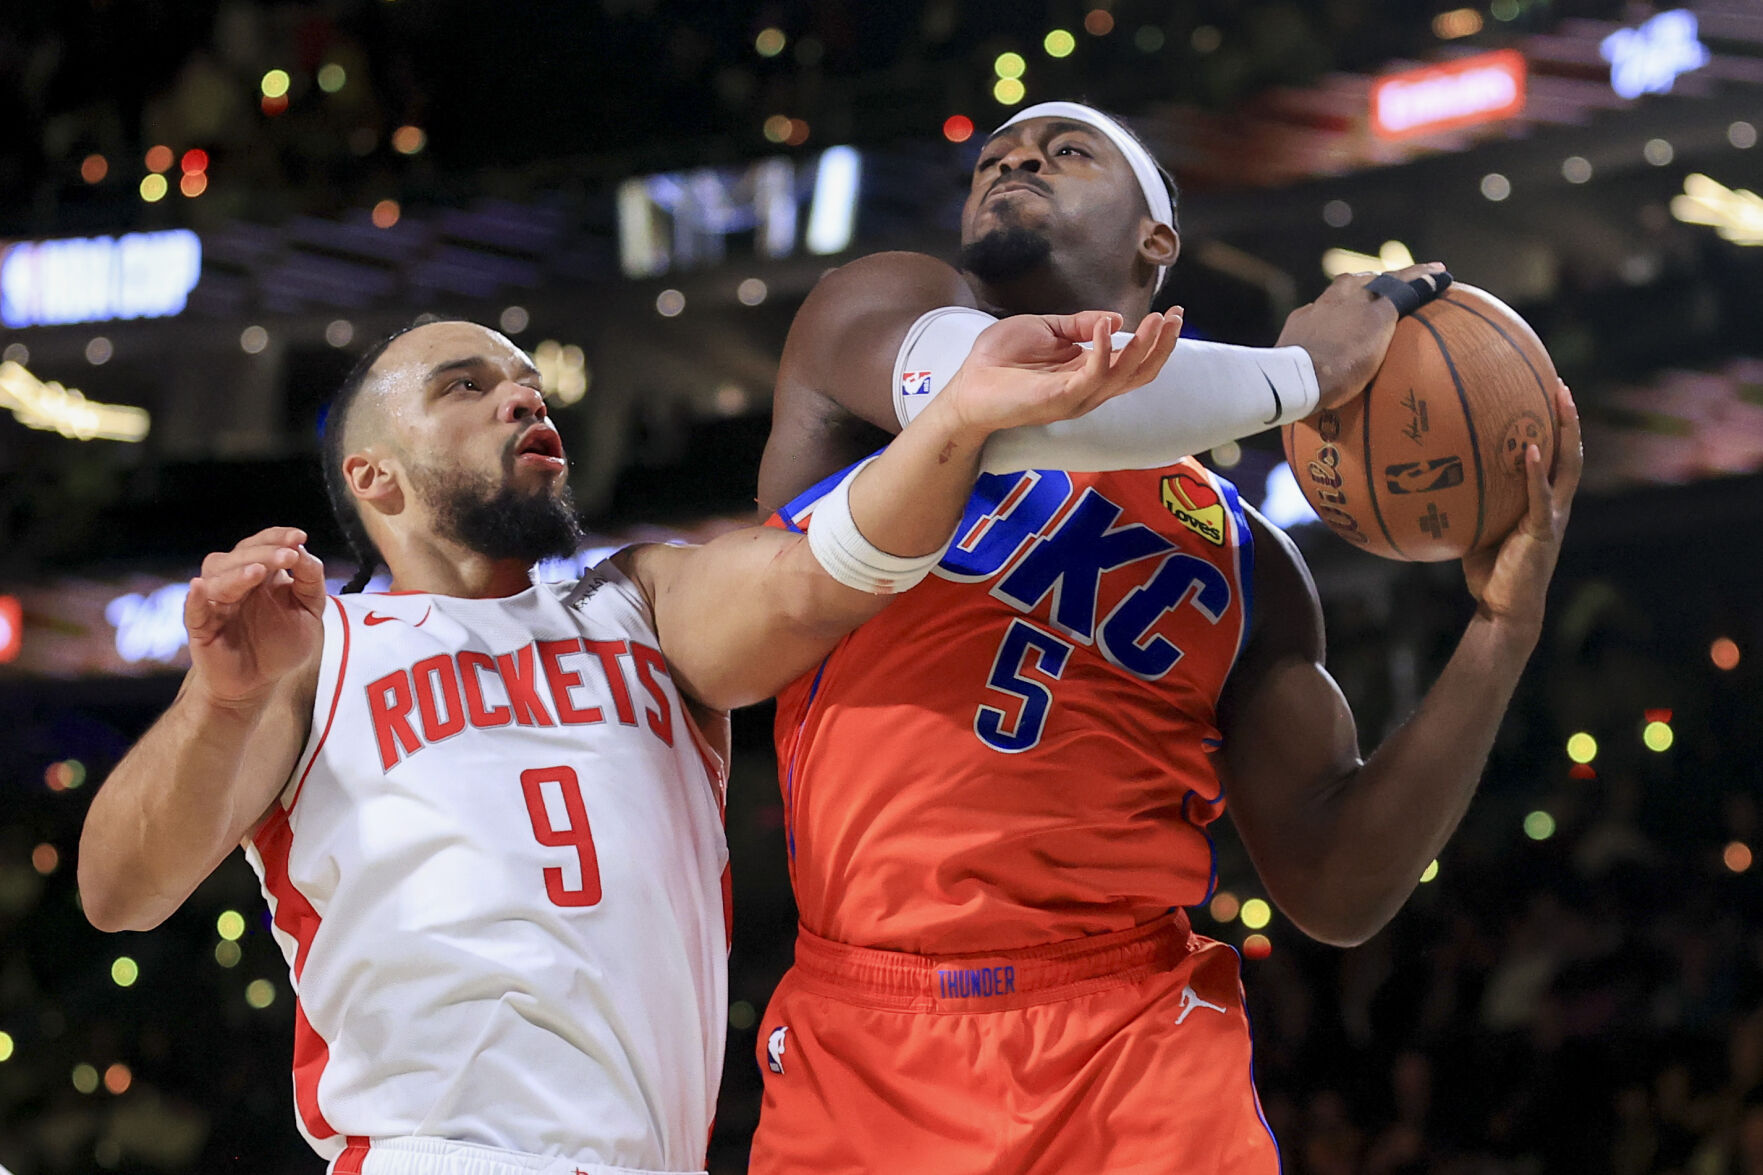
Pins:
x,y
487,813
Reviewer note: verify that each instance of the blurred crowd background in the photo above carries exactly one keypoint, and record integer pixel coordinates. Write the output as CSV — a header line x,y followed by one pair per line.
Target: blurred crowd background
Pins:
x,y
208,207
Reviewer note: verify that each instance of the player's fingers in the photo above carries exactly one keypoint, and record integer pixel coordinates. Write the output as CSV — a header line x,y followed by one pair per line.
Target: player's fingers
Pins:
x,y
1132,356
1540,514
198,610
1101,359
307,574
234,584
1081,327
277,557
1569,448
278,536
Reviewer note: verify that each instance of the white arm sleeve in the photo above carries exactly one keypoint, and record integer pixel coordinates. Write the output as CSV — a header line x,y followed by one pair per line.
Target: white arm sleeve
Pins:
x,y
1206,394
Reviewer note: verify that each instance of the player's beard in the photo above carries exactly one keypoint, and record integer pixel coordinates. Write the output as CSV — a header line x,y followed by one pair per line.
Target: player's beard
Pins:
x,y
505,523
1006,253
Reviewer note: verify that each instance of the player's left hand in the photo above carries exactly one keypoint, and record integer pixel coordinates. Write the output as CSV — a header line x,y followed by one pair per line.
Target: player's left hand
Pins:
x,y
1034,369
1509,582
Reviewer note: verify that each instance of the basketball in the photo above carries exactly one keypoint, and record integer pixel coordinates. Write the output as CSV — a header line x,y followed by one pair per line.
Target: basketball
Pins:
x,y
1428,464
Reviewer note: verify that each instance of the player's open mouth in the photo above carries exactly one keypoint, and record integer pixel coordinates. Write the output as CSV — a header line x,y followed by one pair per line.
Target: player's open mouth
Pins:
x,y
541,446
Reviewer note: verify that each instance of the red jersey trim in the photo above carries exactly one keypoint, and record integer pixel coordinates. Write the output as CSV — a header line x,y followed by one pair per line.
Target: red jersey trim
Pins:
x,y
295,917
354,1154
336,697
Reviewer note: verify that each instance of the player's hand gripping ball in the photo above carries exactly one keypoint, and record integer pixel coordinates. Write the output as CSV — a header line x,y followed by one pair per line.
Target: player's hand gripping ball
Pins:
x,y
1428,464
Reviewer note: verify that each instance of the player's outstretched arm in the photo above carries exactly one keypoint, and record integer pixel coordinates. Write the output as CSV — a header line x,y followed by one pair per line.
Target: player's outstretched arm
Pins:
x,y
206,772
746,614
1340,843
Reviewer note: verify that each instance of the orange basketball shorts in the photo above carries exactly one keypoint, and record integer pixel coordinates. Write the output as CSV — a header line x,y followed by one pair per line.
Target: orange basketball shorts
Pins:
x,y
1125,1052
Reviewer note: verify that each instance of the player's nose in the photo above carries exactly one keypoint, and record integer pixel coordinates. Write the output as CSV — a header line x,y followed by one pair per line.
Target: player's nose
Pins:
x,y
520,403
1024,156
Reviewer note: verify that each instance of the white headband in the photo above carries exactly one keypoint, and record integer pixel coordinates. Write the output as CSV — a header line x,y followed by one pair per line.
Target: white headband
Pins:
x,y
1144,168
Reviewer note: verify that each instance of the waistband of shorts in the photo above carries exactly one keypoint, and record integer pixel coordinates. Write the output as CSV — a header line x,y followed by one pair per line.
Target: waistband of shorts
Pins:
x,y
415,1155
993,981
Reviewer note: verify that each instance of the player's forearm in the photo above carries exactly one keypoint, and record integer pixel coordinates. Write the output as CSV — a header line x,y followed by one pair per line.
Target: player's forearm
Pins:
x,y
908,500
1204,395
1377,828
166,814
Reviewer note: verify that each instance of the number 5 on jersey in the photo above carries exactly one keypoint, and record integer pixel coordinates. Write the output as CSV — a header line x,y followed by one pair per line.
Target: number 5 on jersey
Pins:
x,y
1024,650
576,835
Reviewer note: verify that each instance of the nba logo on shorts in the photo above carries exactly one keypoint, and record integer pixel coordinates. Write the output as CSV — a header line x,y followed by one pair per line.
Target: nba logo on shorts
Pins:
x,y
915,383
774,1048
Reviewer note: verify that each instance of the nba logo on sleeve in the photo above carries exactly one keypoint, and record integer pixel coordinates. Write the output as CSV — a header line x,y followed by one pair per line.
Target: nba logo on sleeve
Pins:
x,y
915,383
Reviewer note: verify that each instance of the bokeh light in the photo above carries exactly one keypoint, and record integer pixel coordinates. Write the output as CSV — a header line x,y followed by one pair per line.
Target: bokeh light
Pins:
x,y
159,158
230,925
98,352
1657,736
1257,946
1224,906
45,859
669,303
742,1015
195,159
153,188
332,77
1539,825
93,169
193,185
69,774
958,128
253,340
1098,22
799,131
1009,65
1495,186
1724,652
1737,856
1582,747
408,139
339,332
1149,38
1431,872
1576,169
117,1078
770,42
6,1046
124,971
1742,135
85,1078
777,128
227,954
514,319
1059,43
751,292
1256,913
260,993
1009,91
386,213
275,83
1658,152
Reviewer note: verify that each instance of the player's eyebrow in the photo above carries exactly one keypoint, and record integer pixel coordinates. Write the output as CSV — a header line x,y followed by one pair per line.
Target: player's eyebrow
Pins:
x,y
470,363
1059,126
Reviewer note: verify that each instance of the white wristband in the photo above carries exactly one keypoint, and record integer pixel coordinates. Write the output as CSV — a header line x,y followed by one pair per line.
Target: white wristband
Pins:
x,y
852,559
1205,394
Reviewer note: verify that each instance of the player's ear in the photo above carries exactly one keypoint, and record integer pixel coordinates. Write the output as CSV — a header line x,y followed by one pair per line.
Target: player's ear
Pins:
x,y
372,476
1159,244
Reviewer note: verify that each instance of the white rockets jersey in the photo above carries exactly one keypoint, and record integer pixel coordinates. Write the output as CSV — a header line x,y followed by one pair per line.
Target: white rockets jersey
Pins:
x,y
498,874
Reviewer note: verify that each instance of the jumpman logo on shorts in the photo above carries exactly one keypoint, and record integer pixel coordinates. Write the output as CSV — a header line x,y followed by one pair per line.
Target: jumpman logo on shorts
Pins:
x,y
1190,999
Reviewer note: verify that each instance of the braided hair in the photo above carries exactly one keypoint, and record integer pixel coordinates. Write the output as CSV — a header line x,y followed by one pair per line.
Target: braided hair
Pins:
x,y
333,426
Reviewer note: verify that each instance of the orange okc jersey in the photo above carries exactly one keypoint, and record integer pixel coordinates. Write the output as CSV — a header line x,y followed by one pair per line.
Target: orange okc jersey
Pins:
x,y
1017,752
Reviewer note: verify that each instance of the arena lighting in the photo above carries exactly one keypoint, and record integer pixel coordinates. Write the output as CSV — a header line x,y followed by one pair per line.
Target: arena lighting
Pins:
x,y
833,215
1224,906
1393,255
1430,872
1282,501
98,279
563,371
53,408
1256,913
1582,747
1459,22
11,628
149,627
1483,88
1736,215
1650,59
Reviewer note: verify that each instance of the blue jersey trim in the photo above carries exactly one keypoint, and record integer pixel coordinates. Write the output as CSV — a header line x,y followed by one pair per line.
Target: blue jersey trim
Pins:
x,y
1278,1158
804,502
1245,556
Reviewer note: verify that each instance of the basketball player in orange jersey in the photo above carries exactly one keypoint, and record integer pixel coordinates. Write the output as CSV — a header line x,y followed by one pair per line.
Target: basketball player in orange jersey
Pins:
x,y
487,812
997,793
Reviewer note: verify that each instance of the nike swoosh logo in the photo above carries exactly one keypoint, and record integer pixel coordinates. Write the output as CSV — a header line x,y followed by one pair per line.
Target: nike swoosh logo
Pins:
x,y
1278,405
373,618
